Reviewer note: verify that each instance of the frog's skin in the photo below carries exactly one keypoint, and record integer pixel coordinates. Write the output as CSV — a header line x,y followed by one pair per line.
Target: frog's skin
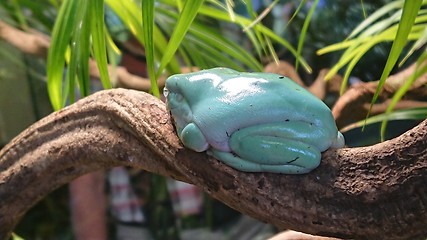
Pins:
x,y
253,122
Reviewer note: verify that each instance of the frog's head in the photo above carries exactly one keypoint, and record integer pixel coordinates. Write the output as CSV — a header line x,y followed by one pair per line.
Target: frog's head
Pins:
x,y
184,91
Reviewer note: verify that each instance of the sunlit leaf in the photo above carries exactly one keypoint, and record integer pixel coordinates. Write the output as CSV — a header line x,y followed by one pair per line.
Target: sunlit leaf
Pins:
x,y
304,31
410,12
148,28
220,15
61,36
98,40
187,16
376,15
130,14
419,70
264,13
404,114
76,53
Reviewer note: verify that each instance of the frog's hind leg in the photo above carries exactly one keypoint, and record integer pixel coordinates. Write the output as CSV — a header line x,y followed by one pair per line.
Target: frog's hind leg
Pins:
x,y
247,166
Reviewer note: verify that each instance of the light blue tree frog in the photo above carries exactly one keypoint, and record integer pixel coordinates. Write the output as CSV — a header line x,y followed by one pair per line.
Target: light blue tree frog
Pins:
x,y
253,122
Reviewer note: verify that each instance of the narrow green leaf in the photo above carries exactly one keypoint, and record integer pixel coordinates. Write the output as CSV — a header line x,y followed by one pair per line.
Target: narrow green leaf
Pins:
x,y
187,16
404,114
130,13
420,69
61,36
226,46
214,42
363,9
264,13
250,9
148,28
19,15
75,51
230,6
98,40
410,11
375,16
360,51
84,53
303,33
300,6
421,40
220,15
16,237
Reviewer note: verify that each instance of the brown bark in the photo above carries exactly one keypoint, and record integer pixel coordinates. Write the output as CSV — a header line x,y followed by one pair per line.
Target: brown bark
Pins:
x,y
375,192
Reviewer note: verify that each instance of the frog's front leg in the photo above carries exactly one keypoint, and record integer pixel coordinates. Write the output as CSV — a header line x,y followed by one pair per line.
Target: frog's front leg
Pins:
x,y
193,138
291,147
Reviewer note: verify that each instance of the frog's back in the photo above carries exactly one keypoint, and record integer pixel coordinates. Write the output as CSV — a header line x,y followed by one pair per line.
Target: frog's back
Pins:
x,y
249,99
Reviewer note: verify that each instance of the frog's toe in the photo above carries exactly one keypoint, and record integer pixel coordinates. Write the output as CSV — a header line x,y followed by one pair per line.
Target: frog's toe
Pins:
x,y
339,141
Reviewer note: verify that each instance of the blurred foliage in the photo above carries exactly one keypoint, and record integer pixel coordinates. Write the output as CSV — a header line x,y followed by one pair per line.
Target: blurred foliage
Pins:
x,y
332,21
257,33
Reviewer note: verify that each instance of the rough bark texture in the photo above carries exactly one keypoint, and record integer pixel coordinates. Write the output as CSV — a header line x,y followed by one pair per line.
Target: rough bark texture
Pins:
x,y
367,193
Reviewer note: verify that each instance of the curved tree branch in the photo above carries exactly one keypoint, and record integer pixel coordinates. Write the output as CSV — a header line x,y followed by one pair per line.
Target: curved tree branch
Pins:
x,y
371,192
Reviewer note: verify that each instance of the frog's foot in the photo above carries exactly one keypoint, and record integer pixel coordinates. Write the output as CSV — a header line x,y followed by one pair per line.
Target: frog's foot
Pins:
x,y
193,138
247,166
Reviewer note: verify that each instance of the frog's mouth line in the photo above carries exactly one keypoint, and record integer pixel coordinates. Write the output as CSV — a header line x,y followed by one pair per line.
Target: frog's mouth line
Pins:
x,y
292,160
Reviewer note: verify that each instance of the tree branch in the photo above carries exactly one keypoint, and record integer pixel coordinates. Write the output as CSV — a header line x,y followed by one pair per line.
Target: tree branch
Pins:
x,y
369,193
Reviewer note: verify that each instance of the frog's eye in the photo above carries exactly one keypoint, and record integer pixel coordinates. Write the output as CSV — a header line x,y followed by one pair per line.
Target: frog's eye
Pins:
x,y
165,92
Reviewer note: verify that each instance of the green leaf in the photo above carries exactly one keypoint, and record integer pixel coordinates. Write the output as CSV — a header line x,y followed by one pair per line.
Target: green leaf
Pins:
x,y
84,55
220,15
16,237
209,42
264,13
76,53
410,12
419,70
303,32
386,9
421,40
187,16
130,14
61,36
225,46
404,114
98,40
19,15
148,28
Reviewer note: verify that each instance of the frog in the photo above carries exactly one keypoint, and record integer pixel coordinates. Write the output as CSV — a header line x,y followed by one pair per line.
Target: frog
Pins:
x,y
251,121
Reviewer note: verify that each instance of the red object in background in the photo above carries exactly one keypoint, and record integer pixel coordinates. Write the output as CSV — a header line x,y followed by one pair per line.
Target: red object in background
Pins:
x,y
133,58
